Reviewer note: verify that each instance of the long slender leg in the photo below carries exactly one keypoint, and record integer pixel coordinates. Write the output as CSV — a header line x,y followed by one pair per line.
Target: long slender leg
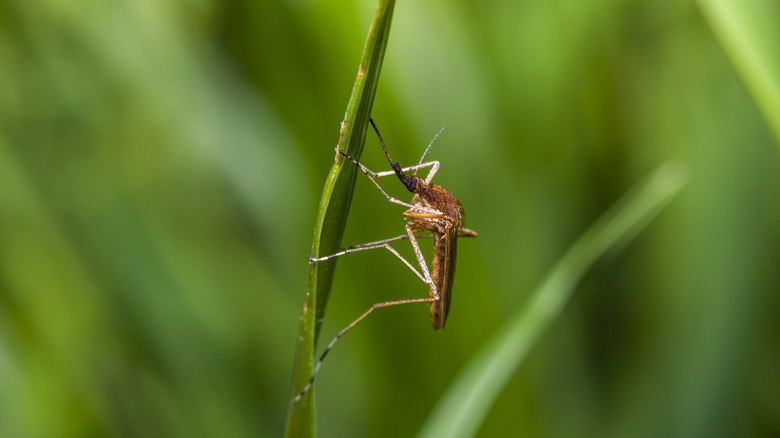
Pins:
x,y
432,172
433,164
362,246
376,245
348,328
426,277
365,246
421,260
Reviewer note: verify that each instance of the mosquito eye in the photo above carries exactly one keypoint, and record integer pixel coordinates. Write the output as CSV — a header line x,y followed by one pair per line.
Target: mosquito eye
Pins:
x,y
411,185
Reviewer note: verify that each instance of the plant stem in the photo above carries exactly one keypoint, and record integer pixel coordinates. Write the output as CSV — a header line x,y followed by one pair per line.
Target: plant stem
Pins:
x,y
332,217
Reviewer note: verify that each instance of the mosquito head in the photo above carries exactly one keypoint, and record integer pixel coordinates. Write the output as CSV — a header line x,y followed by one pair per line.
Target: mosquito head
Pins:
x,y
415,184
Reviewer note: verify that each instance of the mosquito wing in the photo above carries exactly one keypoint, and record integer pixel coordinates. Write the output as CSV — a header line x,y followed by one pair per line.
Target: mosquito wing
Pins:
x,y
443,269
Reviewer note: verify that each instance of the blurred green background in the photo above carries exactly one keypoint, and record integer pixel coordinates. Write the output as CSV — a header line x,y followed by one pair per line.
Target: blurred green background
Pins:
x,y
161,164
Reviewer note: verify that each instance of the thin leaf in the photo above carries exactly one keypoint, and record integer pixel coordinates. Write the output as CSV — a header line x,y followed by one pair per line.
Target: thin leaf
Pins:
x,y
748,32
332,217
464,406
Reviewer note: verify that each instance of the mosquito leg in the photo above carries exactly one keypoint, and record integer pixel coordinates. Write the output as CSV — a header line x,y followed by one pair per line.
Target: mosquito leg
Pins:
x,y
372,175
421,260
375,245
365,169
348,328
361,247
365,246
434,168
433,164
465,232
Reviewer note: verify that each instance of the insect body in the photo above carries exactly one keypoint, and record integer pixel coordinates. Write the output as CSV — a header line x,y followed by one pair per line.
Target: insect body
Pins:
x,y
433,210
436,210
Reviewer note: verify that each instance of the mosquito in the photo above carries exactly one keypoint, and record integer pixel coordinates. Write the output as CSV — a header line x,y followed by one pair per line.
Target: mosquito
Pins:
x,y
434,211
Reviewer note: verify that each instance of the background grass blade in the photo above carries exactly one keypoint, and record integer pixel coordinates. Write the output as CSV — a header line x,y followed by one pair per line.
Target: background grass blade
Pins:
x,y
332,216
462,409
748,32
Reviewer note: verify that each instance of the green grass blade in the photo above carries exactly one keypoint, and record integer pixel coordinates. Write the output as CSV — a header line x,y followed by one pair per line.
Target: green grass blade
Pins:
x,y
332,216
464,406
748,32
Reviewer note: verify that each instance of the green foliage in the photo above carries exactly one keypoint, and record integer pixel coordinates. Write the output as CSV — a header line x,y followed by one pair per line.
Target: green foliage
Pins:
x,y
747,31
332,216
161,165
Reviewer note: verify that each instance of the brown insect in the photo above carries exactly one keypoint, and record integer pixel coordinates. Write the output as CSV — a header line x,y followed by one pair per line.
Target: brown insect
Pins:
x,y
433,210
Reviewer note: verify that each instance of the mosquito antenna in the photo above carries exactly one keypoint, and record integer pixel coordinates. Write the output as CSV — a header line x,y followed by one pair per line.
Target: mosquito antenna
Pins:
x,y
427,149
